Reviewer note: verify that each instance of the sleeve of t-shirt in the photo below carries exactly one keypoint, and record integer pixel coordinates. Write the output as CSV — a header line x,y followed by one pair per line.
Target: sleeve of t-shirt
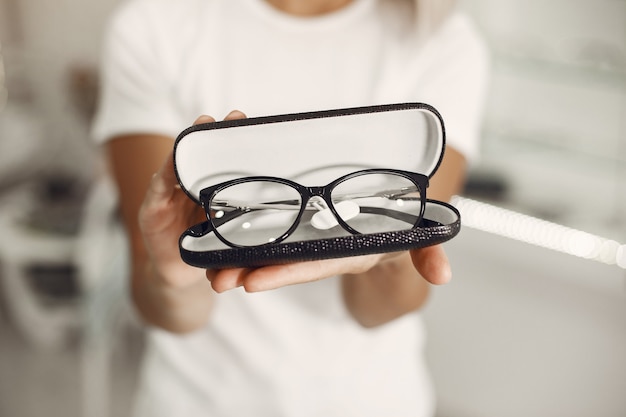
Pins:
x,y
455,82
135,95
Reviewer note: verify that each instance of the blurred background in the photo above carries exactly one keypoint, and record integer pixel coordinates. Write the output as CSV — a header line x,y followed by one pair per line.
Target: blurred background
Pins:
x,y
534,322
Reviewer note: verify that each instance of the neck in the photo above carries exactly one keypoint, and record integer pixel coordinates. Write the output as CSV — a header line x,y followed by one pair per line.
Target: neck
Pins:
x,y
308,7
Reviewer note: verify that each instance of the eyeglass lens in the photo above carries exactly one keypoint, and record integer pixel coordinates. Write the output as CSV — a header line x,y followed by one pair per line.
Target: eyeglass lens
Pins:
x,y
387,202
258,212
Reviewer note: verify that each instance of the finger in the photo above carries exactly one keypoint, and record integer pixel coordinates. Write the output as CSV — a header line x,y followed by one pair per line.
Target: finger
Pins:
x,y
276,276
432,264
235,114
204,119
226,279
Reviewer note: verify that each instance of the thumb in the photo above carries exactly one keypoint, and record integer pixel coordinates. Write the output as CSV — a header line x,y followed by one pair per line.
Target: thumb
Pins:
x,y
432,264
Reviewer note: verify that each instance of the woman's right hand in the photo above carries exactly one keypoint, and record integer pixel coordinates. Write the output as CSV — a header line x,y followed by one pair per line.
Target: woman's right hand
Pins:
x,y
168,293
166,212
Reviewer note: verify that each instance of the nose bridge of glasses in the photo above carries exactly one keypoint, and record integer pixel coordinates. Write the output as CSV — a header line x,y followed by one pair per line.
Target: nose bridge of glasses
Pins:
x,y
317,191
317,197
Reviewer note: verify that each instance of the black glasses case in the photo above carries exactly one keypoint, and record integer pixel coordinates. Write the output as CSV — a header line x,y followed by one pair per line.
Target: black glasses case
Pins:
x,y
313,148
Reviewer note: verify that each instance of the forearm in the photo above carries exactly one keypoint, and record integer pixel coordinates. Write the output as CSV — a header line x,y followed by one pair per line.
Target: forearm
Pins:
x,y
391,289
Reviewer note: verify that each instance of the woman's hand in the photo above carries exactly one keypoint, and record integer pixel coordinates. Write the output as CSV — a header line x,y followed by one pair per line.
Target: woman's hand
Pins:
x,y
164,215
431,263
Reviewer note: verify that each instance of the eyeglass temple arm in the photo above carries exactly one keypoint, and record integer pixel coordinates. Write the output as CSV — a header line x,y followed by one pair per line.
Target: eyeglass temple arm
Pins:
x,y
240,208
395,214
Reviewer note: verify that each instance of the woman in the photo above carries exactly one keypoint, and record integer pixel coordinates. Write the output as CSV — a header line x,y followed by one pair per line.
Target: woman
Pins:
x,y
347,340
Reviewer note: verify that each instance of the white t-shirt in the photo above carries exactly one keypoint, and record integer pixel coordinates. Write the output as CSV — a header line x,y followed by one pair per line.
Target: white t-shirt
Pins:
x,y
294,351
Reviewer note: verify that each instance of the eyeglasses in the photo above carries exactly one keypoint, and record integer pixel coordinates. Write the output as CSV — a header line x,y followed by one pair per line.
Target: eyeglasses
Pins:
x,y
258,210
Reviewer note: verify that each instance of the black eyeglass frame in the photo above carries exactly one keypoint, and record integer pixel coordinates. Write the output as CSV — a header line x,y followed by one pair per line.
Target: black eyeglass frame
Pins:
x,y
307,192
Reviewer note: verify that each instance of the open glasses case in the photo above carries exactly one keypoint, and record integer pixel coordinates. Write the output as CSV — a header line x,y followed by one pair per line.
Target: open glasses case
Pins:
x,y
313,149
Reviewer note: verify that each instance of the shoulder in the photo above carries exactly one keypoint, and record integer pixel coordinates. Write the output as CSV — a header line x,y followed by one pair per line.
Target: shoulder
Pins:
x,y
456,50
454,76
459,35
